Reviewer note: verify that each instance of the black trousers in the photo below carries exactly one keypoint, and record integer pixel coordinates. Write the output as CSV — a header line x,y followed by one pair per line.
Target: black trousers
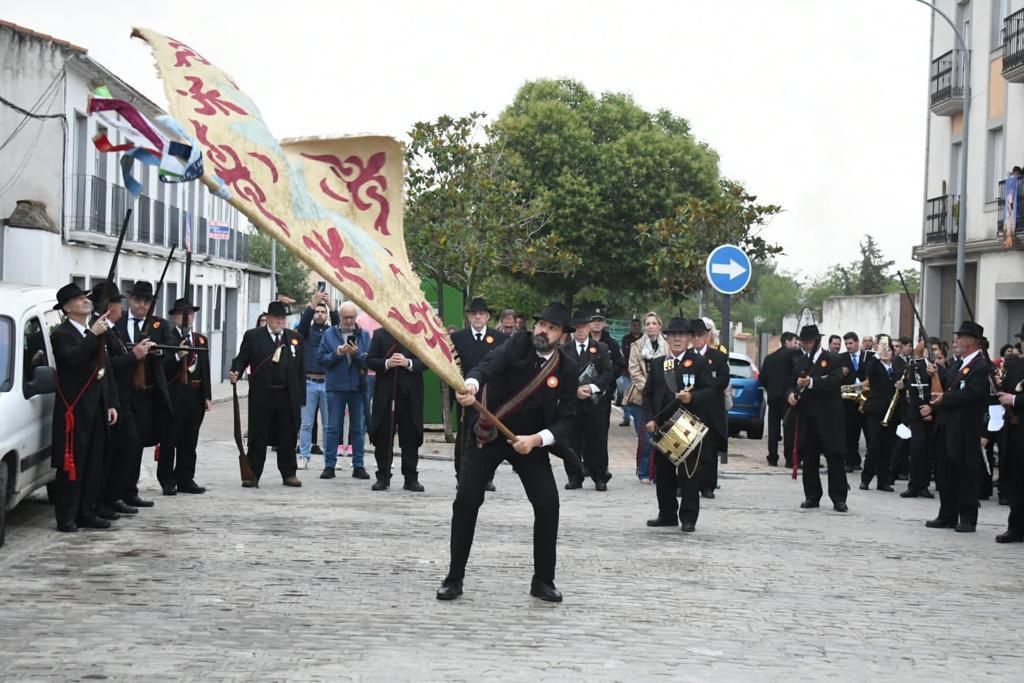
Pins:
x,y
534,471
121,448
957,477
671,482
811,448
409,437
177,464
76,499
590,441
1015,485
273,417
920,454
779,429
710,447
881,441
854,425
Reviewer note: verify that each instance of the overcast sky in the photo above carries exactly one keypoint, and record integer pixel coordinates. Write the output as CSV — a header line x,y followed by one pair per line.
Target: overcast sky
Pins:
x,y
817,105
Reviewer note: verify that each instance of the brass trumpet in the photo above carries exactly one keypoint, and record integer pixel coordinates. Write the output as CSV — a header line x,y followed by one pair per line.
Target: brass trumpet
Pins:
x,y
858,393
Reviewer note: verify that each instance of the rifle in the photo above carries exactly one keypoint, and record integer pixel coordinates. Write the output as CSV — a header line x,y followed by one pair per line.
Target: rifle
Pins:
x,y
243,461
139,378
963,295
103,303
936,383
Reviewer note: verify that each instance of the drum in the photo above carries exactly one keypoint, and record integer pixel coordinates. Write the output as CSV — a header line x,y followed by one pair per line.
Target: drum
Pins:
x,y
679,436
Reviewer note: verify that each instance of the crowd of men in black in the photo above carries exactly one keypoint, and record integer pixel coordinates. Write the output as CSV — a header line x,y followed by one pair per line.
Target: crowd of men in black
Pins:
x,y
927,413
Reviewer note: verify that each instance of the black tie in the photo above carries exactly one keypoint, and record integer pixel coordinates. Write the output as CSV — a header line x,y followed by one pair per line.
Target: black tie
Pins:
x,y
277,339
136,330
479,336
582,347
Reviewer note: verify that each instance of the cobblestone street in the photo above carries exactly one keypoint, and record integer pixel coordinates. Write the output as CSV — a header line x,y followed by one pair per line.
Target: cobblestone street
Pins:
x,y
335,582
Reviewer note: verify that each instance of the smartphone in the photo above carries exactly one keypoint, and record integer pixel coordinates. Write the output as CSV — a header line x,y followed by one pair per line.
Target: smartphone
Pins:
x,y
321,286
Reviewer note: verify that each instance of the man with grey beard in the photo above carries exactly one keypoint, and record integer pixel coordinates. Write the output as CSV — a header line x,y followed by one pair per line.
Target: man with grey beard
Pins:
x,y
529,383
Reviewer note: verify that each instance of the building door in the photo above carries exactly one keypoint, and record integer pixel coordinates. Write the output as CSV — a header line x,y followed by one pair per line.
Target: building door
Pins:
x,y
230,345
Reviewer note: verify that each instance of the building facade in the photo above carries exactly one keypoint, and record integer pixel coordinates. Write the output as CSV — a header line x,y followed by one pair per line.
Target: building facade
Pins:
x,y
49,158
994,273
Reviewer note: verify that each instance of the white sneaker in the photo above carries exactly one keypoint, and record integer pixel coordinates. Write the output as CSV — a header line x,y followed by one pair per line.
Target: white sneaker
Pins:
x,y
303,463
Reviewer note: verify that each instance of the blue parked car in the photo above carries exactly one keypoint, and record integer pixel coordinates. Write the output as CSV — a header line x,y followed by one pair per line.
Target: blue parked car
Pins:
x,y
748,404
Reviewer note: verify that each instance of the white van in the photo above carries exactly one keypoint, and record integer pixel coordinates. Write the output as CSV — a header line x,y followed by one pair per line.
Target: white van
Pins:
x,y
28,381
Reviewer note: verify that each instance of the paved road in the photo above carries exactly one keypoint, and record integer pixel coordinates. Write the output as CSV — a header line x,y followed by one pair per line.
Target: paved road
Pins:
x,y
335,582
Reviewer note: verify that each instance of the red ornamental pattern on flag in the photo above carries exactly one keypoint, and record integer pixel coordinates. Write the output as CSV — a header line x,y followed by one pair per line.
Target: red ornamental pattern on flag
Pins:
x,y
337,203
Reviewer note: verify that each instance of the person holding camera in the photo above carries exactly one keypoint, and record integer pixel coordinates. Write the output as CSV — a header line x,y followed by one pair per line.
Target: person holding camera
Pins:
x,y
342,355
312,325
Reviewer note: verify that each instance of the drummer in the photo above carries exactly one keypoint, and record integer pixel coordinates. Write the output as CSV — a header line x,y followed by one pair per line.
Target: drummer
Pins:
x,y
680,379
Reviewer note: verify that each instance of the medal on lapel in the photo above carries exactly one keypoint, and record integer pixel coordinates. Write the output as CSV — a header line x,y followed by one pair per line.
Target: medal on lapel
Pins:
x,y
295,342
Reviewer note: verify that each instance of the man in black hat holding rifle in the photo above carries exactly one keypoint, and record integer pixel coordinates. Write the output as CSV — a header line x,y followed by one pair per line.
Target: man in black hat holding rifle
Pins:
x,y
959,419
590,433
472,343
86,404
149,397
529,383
189,383
277,392
815,394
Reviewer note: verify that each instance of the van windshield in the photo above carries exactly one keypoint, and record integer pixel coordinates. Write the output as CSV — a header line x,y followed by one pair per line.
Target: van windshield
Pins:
x,y
6,353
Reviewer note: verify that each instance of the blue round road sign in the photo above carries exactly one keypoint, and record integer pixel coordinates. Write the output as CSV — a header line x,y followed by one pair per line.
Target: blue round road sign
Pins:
x,y
728,269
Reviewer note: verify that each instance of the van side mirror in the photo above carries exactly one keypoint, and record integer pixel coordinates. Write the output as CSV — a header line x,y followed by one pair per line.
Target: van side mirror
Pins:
x,y
44,381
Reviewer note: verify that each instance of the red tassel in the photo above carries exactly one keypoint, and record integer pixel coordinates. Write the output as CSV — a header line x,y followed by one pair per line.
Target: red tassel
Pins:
x,y
69,444
156,453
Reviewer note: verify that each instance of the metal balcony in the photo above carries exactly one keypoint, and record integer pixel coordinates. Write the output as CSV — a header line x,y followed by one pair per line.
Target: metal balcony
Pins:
x,y
1013,47
947,84
940,221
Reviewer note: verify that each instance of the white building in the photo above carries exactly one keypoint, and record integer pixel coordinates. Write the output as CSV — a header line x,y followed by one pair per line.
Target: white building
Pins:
x,y
994,275
48,156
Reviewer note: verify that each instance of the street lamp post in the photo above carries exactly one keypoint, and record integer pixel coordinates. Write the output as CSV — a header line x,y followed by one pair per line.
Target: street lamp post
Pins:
x,y
961,236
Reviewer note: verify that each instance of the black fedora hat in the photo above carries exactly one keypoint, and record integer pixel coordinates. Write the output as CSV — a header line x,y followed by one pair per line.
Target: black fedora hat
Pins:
x,y
557,314
141,289
182,306
969,328
478,304
580,317
678,326
112,292
277,309
809,333
68,293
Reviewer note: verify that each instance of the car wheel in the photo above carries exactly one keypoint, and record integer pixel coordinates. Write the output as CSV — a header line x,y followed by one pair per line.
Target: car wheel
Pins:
x,y
755,433
3,501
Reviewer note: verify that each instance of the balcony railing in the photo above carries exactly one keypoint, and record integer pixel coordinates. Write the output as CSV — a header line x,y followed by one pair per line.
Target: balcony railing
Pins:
x,y
159,216
1019,213
1013,47
89,210
174,227
199,236
144,205
940,221
947,84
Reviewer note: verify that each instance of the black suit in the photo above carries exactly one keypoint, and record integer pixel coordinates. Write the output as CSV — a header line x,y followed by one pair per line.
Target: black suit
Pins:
x,y
1014,470
503,373
149,397
471,351
189,381
397,402
774,377
959,426
819,424
853,420
277,392
918,393
881,439
590,438
660,404
124,443
81,390
717,439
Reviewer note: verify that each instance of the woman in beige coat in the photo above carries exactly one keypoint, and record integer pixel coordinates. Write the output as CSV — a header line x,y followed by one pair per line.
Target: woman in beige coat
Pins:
x,y
652,345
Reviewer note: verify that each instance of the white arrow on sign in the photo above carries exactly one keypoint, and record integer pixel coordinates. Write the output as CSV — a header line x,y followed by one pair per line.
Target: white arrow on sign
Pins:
x,y
732,269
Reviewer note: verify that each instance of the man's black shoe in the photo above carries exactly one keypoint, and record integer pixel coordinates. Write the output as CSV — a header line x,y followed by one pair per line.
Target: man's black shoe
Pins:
x,y
123,508
887,489
849,469
1010,537
328,473
661,521
624,423
810,504
137,502
67,527
788,464
360,473
382,483
925,493
103,512
545,590
291,481
965,527
840,507
1003,500
687,526
169,489
191,487
600,486
412,483
573,484
939,523
450,589
773,461
910,493
316,450
250,484
857,468
707,493
864,486
92,522
490,486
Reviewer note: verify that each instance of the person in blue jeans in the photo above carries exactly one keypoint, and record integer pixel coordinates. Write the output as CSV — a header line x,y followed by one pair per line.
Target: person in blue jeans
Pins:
x,y
342,353
642,353
312,324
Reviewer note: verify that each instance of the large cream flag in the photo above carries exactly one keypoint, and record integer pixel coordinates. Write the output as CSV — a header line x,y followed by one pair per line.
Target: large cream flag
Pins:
x,y
337,204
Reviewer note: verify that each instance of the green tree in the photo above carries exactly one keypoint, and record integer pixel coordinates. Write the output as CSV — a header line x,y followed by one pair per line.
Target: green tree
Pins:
x,y
873,275
677,247
292,273
467,216
601,165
